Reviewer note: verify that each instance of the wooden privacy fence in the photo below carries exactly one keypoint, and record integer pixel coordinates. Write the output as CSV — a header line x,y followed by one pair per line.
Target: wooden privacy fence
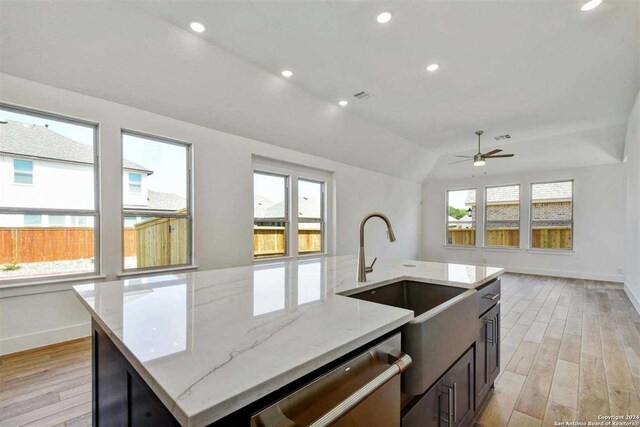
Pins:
x,y
270,241
40,244
548,237
161,241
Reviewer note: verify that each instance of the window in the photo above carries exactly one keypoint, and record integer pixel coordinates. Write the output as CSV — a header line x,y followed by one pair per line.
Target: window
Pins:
x,y
56,220
461,217
22,171
66,188
502,216
33,220
135,182
310,216
270,215
156,209
552,215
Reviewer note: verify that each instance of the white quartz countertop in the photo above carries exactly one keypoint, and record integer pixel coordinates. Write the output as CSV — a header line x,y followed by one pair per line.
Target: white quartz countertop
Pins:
x,y
211,342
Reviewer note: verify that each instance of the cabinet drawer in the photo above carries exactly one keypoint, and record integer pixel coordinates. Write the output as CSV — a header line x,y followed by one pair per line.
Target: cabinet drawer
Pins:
x,y
488,296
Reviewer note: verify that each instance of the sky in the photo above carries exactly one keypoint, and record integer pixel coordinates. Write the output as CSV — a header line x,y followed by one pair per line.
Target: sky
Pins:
x,y
458,198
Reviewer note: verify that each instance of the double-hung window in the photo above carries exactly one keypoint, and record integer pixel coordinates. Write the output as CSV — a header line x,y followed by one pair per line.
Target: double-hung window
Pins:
x,y
156,202
135,182
289,210
552,215
461,217
502,216
22,171
34,212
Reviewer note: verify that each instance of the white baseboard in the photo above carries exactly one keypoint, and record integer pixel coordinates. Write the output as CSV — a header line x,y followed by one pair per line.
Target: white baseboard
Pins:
x,y
39,339
568,274
632,297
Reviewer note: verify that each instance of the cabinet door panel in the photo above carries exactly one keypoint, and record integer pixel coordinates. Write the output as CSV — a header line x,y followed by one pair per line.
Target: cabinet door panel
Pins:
x,y
460,382
425,413
487,353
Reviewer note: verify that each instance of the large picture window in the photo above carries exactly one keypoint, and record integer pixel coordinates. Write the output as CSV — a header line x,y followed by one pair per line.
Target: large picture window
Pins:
x,y
502,216
48,176
156,202
461,217
270,215
552,215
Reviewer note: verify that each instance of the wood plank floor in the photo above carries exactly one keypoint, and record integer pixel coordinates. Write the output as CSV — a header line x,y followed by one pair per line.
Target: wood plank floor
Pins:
x,y
48,386
570,352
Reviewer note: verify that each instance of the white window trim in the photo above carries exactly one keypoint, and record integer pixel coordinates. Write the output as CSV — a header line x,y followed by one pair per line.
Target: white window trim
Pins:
x,y
486,206
95,212
568,251
295,172
127,212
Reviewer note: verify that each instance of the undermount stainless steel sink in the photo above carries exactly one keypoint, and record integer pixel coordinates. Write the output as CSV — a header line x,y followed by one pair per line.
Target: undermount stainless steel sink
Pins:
x,y
443,328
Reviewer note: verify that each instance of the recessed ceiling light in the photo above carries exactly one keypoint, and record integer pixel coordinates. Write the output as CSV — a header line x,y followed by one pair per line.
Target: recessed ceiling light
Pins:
x,y
287,73
197,27
384,17
343,103
433,67
590,5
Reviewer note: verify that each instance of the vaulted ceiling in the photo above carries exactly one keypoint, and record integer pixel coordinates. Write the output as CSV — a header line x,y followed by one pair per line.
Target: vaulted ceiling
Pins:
x,y
551,76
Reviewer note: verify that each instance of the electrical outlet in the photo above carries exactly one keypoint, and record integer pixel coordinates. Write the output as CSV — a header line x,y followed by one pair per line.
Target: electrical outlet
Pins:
x,y
620,270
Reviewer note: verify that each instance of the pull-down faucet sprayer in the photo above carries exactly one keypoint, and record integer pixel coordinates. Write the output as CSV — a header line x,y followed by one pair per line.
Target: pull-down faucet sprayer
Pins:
x,y
362,268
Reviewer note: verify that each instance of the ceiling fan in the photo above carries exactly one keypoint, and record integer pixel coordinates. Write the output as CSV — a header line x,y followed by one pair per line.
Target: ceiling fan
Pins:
x,y
480,158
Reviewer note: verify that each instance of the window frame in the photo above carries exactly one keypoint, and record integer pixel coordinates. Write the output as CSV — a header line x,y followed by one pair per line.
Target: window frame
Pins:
x,y
322,220
294,172
287,213
486,221
446,222
129,213
532,221
95,212
16,172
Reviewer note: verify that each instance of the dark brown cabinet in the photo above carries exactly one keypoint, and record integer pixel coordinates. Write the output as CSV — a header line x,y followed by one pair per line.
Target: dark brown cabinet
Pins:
x,y
487,353
450,401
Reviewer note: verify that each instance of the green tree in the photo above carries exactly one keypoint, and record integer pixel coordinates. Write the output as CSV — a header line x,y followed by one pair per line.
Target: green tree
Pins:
x,y
457,213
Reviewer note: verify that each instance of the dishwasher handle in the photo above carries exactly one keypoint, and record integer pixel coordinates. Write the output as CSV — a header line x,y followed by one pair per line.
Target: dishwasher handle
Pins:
x,y
400,364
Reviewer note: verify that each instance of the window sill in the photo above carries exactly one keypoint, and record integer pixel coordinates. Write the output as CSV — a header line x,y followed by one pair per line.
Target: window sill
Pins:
x,y
289,258
44,285
501,249
461,247
140,273
563,252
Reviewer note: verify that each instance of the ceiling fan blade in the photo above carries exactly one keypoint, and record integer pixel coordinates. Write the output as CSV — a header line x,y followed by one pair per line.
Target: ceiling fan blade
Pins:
x,y
466,157
491,153
499,156
461,161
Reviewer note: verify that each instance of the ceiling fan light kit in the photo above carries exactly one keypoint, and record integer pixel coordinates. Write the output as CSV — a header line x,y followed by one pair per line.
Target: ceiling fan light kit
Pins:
x,y
480,159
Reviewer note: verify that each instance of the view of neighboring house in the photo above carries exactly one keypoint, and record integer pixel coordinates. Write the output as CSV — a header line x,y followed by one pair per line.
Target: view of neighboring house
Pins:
x,y
552,202
35,162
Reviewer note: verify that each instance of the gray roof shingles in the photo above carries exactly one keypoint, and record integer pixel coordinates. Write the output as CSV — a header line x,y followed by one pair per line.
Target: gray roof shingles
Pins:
x,y
29,140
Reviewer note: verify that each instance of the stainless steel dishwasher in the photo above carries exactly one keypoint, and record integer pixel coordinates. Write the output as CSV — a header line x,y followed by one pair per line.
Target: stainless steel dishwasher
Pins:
x,y
365,391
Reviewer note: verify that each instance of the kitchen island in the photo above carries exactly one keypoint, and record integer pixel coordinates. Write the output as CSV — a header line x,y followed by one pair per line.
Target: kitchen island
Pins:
x,y
209,343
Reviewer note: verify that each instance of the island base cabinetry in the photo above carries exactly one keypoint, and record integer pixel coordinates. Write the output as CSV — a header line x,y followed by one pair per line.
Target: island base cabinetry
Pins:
x,y
120,395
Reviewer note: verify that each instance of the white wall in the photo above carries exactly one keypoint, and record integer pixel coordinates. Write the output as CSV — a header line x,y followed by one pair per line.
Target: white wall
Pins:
x,y
223,202
599,225
632,165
